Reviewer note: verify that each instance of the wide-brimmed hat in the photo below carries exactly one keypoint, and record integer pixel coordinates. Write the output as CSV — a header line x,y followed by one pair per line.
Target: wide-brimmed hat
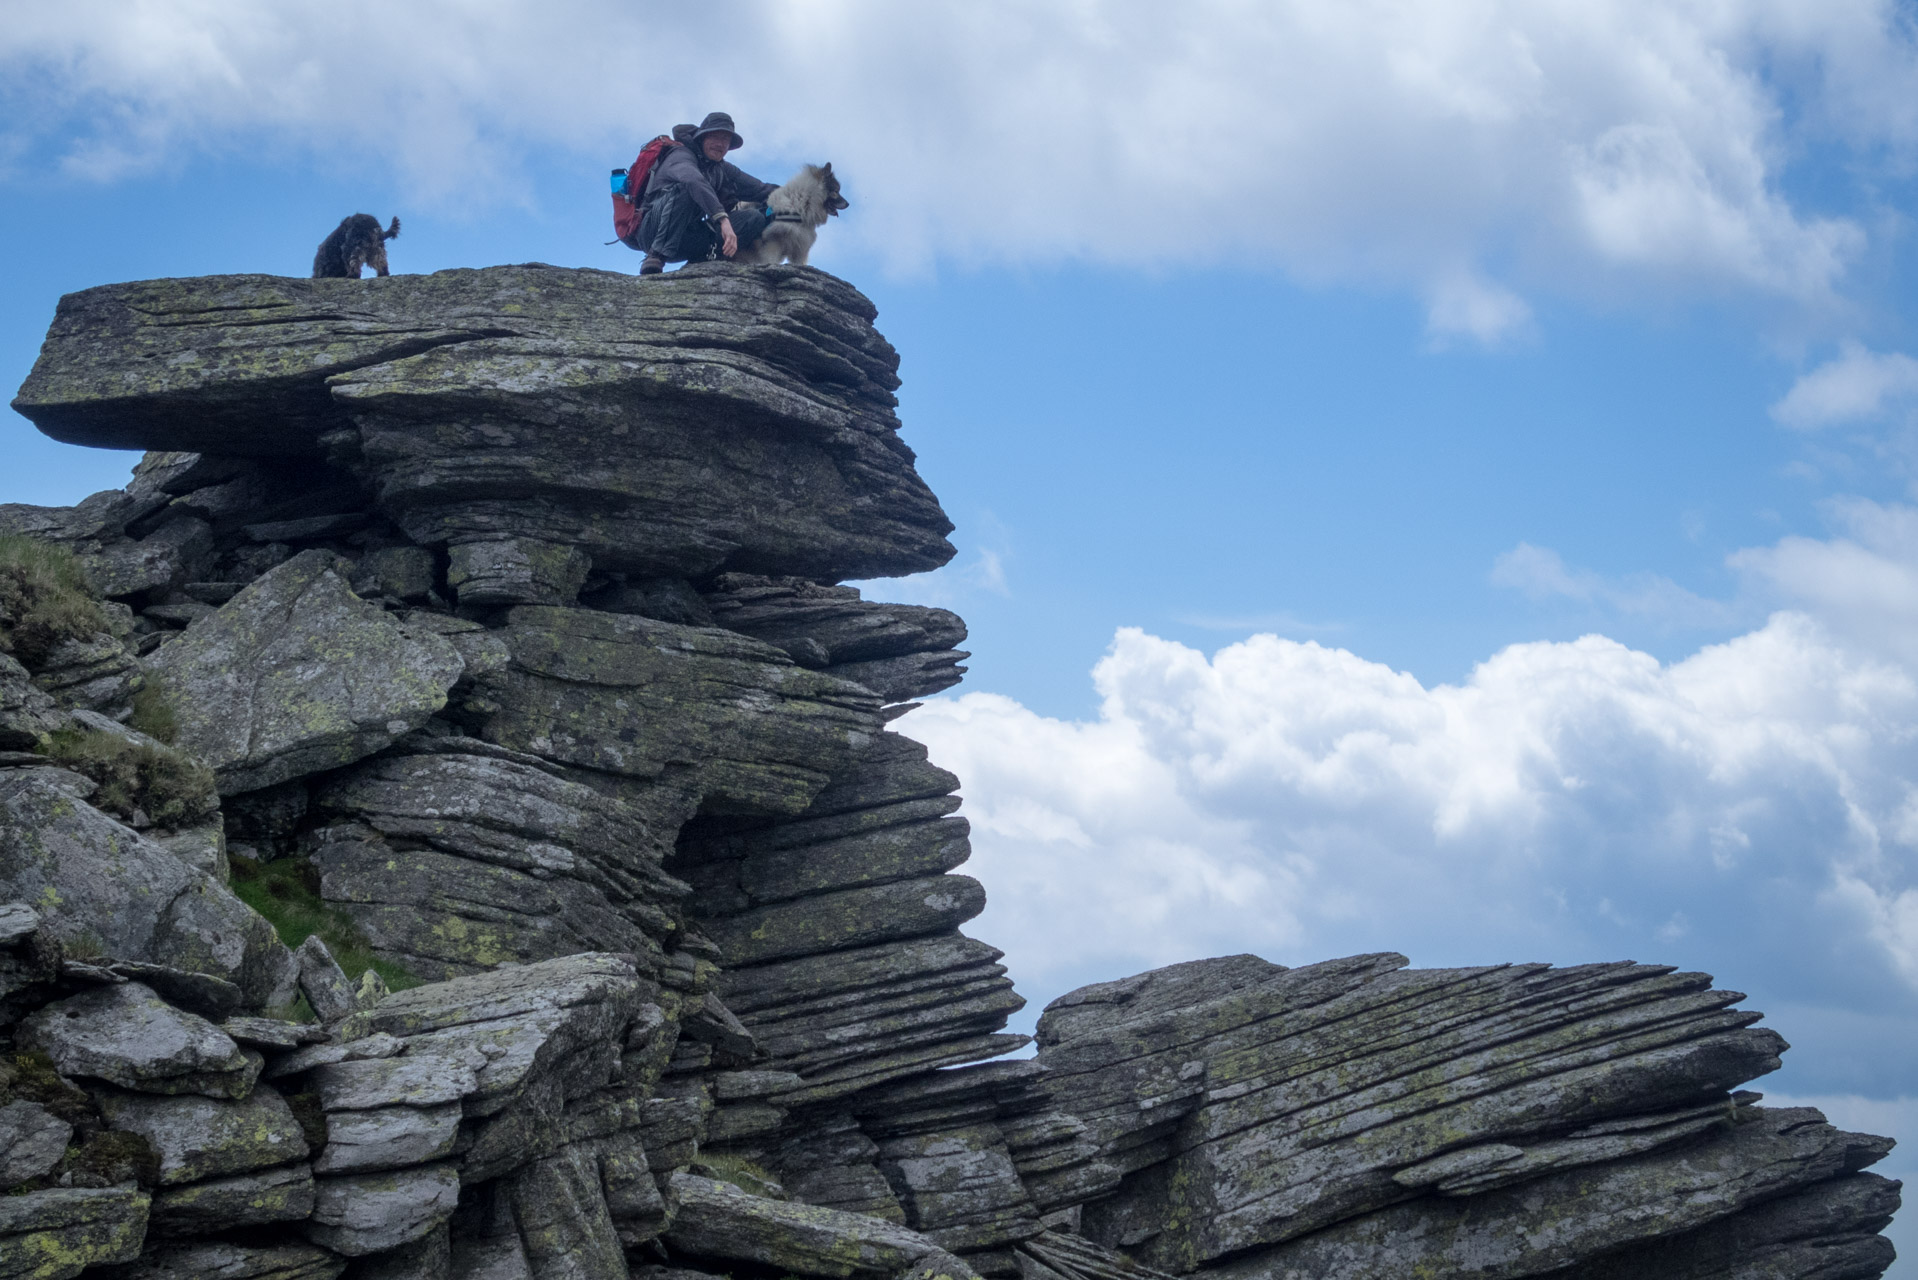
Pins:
x,y
718,122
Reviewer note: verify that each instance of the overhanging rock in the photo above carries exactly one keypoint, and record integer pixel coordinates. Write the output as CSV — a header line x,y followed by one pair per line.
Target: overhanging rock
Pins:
x,y
717,419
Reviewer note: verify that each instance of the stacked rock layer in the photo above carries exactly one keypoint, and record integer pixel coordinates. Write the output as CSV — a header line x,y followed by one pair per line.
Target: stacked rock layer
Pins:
x,y
503,610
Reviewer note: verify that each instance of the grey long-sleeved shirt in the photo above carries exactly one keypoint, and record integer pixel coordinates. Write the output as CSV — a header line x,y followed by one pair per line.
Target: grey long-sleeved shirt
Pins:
x,y
714,185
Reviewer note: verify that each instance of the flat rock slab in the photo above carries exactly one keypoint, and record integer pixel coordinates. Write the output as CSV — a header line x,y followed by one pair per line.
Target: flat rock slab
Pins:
x,y
413,1080
95,879
718,1220
218,1260
199,1137
726,417
285,1194
52,1235
549,986
374,1212
388,1138
296,674
126,1035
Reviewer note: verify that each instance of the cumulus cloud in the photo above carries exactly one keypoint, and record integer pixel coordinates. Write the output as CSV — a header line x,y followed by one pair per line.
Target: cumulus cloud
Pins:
x,y
1467,151
1858,385
1751,810
1863,584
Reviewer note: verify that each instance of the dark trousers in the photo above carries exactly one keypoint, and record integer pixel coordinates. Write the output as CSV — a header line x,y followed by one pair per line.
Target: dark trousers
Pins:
x,y
674,228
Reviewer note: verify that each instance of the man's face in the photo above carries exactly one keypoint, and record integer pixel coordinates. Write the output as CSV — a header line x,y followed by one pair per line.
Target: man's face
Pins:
x,y
715,145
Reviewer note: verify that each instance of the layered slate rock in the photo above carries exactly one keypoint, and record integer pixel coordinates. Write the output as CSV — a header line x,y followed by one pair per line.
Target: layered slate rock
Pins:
x,y
456,856
718,419
838,928
899,651
636,697
1362,1119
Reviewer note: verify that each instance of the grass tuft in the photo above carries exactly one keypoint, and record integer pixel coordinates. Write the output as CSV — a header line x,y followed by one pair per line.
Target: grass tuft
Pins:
x,y
287,892
44,600
748,1175
153,712
172,789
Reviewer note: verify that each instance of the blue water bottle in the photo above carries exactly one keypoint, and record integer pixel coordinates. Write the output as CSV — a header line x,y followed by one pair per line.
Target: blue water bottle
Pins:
x,y
619,181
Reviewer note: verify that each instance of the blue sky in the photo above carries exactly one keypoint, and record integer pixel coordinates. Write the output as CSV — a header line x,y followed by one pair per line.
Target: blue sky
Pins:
x,y
1431,476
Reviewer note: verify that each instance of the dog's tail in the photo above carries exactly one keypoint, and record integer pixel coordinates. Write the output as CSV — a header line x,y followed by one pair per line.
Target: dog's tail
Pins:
x,y
392,232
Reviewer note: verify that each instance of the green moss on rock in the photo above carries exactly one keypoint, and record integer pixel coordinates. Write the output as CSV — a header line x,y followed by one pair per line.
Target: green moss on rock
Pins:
x,y
287,892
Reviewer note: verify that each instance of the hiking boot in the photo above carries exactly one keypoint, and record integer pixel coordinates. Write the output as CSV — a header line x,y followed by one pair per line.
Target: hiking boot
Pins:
x,y
654,264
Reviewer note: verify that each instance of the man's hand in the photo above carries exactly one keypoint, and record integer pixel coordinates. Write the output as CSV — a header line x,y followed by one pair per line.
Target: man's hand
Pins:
x,y
728,242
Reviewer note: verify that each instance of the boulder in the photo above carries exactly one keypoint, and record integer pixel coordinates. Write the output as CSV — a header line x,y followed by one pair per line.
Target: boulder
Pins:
x,y
1251,1105
103,515
847,919
398,573
515,571
322,981
841,1019
179,550
126,1035
1827,1230
101,884
93,674
296,675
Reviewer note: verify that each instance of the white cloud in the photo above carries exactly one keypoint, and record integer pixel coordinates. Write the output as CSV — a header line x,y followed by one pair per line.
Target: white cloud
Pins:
x,y
1463,305
1751,809
1280,790
1857,385
1634,145
1862,584
1541,573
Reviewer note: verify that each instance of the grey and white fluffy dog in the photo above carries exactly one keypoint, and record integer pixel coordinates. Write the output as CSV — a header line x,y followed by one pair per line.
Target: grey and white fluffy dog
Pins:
x,y
807,201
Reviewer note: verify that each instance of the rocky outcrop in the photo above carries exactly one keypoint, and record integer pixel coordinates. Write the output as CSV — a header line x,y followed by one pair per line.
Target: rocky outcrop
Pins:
x,y
497,622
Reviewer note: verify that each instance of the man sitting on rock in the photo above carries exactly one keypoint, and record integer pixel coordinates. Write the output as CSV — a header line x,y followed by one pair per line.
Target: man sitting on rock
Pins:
x,y
686,207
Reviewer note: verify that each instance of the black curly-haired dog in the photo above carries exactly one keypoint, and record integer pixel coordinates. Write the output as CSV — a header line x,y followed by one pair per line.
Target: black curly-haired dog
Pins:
x,y
357,242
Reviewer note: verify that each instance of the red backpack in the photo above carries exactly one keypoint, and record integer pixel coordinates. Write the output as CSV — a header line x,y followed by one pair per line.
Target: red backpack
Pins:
x,y
629,188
